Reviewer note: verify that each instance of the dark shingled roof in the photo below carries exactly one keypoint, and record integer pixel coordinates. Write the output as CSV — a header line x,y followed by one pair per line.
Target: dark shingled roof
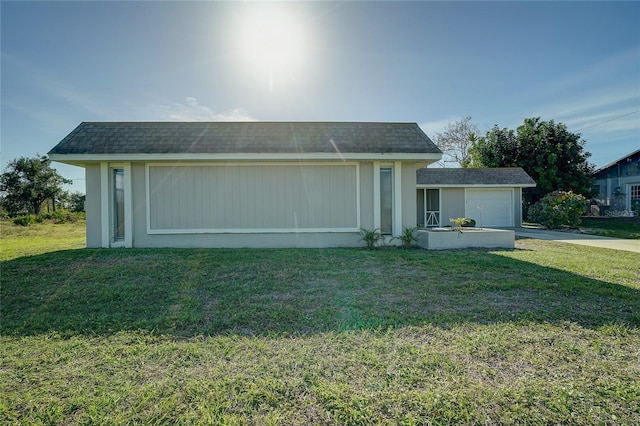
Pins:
x,y
513,176
244,137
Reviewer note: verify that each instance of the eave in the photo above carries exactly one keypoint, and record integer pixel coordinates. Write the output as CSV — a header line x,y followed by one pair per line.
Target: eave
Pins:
x,y
84,159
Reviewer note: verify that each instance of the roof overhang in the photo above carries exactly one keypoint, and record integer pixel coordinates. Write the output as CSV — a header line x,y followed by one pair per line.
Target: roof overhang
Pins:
x,y
84,159
477,185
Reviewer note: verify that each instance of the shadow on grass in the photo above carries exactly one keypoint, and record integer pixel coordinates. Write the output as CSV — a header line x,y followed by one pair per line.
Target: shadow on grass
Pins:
x,y
190,292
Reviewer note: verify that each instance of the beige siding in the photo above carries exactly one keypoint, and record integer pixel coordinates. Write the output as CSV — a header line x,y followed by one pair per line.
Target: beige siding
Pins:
x,y
517,207
366,195
452,204
409,195
92,205
252,197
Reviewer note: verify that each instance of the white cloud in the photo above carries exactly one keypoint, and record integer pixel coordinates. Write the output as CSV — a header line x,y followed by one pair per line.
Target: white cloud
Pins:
x,y
191,110
431,128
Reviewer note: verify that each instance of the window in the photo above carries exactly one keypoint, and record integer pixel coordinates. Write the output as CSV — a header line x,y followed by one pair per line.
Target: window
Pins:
x,y
386,201
634,201
118,204
596,190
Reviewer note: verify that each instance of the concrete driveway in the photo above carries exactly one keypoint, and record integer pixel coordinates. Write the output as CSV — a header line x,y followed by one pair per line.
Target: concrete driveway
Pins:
x,y
582,239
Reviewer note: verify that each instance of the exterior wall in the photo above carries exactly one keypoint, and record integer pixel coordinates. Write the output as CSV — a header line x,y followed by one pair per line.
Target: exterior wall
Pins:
x,y
338,198
92,206
250,198
409,205
614,184
452,204
366,195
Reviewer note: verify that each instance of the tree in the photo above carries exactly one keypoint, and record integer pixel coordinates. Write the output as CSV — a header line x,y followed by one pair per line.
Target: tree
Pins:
x,y
28,182
548,152
456,141
76,201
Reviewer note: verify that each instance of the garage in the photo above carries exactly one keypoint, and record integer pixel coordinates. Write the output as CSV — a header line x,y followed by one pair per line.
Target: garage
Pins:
x,y
490,207
497,192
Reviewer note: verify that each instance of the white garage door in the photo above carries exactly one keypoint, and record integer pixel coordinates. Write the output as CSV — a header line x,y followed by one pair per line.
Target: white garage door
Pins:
x,y
490,207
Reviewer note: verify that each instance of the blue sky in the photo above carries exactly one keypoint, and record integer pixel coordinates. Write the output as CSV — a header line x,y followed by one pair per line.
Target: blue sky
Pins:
x,y
425,62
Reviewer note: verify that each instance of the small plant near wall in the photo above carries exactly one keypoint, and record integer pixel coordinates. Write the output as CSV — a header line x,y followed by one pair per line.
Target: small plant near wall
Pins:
x,y
371,237
408,237
462,222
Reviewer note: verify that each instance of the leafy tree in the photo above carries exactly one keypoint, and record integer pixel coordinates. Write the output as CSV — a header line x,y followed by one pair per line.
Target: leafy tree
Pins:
x,y
456,141
28,182
76,201
548,152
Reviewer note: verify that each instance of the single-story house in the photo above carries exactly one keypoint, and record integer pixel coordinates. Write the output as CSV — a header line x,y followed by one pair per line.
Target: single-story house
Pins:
x,y
246,184
491,197
617,185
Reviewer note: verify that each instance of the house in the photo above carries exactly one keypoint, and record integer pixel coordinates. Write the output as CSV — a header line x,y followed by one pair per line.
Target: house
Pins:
x,y
246,184
491,197
617,186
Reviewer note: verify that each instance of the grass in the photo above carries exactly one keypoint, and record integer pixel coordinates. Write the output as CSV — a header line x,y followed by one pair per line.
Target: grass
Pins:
x,y
544,334
619,227
37,238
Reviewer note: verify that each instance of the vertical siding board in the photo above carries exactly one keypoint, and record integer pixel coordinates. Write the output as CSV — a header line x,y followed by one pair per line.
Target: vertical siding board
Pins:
x,y
252,197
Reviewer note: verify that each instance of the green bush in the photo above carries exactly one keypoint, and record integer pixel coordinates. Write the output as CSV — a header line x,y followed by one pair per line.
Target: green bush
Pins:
x,y
25,220
408,236
63,216
558,209
371,238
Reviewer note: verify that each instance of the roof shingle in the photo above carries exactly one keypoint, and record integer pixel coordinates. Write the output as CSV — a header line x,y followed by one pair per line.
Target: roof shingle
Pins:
x,y
512,176
244,137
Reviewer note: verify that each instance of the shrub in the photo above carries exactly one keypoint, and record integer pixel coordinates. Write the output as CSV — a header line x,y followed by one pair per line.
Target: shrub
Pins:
x,y
25,220
462,222
558,209
408,236
63,216
371,238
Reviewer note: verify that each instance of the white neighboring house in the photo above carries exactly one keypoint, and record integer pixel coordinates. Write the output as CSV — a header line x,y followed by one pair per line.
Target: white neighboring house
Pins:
x,y
246,184
491,197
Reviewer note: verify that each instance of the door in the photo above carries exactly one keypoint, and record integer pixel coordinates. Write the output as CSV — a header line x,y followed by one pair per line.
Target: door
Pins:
x,y
490,207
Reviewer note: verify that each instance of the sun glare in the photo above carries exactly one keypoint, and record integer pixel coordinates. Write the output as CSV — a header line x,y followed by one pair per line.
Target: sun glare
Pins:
x,y
272,41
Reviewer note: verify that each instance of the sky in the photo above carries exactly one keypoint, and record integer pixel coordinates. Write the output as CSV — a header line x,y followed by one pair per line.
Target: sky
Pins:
x,y
429,62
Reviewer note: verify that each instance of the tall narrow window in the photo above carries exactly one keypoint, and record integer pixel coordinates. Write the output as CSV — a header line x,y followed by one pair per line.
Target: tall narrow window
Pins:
x,y
118,204
386,200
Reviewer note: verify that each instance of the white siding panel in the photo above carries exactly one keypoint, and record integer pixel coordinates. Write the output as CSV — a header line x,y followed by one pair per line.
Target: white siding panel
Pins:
x,y
229,198
490,207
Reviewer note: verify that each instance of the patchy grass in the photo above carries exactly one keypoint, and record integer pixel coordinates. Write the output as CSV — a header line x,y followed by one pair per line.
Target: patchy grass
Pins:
x,y
619,227
544,334
37,238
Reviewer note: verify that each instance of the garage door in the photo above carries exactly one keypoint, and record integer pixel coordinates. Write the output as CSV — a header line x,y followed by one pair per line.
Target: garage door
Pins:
x,y
490,207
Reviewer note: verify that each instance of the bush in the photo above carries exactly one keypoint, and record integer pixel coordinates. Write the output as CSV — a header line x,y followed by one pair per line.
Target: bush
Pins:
x,y
408,236
558,209
63,217
371,238
25,220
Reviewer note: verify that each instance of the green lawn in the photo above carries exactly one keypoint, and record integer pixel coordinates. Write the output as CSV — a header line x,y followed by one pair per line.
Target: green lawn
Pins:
x,y
544,334
620,227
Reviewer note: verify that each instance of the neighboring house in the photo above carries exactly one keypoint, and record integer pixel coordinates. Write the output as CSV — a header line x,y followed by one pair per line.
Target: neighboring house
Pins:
x,y
491,197
251,184
617,185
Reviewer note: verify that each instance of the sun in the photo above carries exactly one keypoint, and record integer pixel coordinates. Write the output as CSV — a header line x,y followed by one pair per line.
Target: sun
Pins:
x,y
272,40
